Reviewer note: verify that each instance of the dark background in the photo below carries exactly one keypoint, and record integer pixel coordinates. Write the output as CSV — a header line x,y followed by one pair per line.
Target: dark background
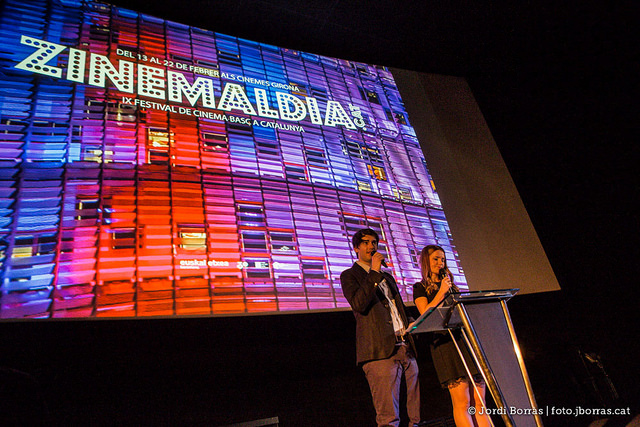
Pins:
x,y
556,83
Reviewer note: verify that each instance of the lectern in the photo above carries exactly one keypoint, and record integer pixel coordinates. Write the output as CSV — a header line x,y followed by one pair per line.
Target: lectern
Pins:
x,y
487,331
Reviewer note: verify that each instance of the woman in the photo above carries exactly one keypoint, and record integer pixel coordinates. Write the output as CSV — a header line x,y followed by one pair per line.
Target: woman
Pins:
x,y
436,283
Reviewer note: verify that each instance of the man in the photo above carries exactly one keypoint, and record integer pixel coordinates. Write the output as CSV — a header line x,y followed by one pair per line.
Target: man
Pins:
x,y
382,349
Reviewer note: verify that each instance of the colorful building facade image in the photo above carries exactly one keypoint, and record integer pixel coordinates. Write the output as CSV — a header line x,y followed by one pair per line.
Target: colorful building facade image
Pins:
x,y
149,168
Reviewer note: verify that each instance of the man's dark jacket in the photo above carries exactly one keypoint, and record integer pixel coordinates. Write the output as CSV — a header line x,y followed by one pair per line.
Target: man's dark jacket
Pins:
x,y
375,337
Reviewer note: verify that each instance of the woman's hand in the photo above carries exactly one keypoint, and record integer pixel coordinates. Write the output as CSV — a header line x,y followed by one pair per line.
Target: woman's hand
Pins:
x,y
446,284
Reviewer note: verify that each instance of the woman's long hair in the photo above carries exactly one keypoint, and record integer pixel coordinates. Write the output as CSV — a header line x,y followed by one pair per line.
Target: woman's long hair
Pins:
x,y
425,267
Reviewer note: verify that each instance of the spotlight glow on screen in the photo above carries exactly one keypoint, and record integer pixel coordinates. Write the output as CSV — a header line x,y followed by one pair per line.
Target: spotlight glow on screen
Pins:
x,y
149,168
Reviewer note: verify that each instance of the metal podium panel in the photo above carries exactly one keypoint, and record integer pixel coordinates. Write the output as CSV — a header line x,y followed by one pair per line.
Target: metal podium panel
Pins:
x,y
490,336
488,320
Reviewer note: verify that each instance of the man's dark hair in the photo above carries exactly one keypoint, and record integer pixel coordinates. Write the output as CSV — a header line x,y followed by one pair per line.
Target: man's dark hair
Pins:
x,y
357,238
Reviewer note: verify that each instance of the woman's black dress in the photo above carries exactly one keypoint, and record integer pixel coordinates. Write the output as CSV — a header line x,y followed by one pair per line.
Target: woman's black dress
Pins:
x,y
446,359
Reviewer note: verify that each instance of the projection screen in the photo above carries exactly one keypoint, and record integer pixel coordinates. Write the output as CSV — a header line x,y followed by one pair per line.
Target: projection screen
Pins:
x,y
150,168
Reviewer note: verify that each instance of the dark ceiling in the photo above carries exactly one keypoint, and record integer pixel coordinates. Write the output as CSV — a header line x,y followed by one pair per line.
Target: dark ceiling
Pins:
x,y
459,37
553,79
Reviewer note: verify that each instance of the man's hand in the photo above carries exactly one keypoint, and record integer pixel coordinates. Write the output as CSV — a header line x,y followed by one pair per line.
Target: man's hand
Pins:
x,y
376,261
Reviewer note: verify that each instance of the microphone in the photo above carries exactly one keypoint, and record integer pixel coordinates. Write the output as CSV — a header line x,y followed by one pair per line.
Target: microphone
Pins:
x,y
441,275
384,264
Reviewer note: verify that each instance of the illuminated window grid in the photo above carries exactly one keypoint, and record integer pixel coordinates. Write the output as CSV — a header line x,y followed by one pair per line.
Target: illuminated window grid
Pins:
x,y
120,142
155,246
11,145
228,54
95,30
78,249
53,105
178,42
406,235
94,108
33,241
291,291
292,61
36,12
341,171
186,149
24,290
116,275
27,290
296,73
363,180
278,206
318,85
317,162
311,247
274,64
443,238
441,235
336,244
293,157
214,147
269,154
337,86
256,265
258,281
125,29
242,149
6,212
45,141
341,166
151,37
421,229
123,114
225,277
315,74
252,63
203,47
287,270
354,88
119,239
358,160
377,219
157,147
190,247
90,121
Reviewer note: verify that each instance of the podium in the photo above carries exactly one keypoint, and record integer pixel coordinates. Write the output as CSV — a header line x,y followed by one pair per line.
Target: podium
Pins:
x,y
487,331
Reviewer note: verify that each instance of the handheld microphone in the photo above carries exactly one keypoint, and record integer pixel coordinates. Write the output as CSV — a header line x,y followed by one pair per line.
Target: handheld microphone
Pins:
x,y
384,264
441,275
